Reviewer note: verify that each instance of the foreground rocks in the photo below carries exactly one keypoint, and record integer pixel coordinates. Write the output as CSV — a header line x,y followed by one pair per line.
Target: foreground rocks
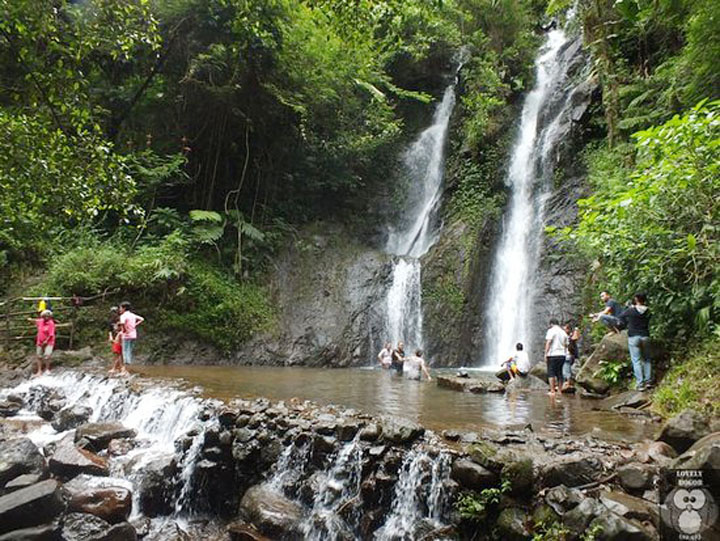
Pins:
x,y
278,470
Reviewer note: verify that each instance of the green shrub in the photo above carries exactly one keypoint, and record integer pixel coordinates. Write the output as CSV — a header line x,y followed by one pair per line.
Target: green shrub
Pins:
x,y
214,307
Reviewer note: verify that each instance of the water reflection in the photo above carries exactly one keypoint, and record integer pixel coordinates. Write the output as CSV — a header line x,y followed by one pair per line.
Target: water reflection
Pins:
x,y
383,392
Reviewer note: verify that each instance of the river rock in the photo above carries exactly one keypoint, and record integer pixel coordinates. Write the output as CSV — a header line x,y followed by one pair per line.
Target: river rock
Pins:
x,y
86,527
50,403
579,517
112,504
616,528
120,446
30,506
572,471
156,487
68,460
471,475
635,477
512,524
399,430
612,347
44,532
519,473
242,531
272,513
703,455
71,417
97,436
22,481
629,506
627,399
10,406
684,429
371,432
528,382
539,370
561,498
487,455
17,457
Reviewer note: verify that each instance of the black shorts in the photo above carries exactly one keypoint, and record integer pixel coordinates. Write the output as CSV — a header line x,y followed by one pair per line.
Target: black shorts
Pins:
x,y
397,366
554,366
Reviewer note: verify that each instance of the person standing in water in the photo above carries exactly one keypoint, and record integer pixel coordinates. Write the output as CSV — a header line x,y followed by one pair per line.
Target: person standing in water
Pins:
x,y
398,358
573,334
556,341
385,355
129,323
414,366
637,319
44,340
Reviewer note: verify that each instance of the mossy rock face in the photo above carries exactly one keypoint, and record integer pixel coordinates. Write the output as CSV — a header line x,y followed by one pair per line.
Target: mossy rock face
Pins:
x,y
512,524
520,474
543,515
486,454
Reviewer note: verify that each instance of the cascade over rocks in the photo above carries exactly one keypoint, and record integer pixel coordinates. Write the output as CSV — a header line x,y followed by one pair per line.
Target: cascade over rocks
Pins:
x,y
273,513
71,417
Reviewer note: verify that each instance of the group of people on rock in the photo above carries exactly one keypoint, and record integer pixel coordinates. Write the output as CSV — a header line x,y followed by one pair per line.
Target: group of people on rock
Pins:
x,y
410,366
122,334
636,319
562,345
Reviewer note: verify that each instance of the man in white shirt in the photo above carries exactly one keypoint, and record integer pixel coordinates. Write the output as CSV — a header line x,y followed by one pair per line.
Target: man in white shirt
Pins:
x,y
556,342
414,366
518,364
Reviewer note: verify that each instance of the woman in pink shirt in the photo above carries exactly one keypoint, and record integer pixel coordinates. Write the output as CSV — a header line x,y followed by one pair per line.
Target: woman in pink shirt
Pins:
x,y
128,323
45,340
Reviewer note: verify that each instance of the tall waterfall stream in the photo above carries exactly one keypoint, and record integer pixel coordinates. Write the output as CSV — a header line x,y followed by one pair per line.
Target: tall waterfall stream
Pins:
x,y
512,283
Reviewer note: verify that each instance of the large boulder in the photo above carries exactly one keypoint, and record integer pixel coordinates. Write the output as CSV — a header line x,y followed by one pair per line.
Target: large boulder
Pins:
x,y
635,477
86,527
512,524
539,370
529,382
30,506
68,460
17,457
271,512
616,528
399,430
579,517
156,487
97,436
572,471
630,507
703,455
71,417
44,532
613,347
472,476
684,429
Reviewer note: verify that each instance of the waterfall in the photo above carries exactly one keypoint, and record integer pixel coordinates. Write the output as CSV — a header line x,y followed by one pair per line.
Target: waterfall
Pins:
x,y
419,497
512,288
414,236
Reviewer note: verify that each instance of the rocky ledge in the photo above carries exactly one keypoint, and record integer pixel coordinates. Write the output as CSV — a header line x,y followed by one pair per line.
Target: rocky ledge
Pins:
x,y
292,470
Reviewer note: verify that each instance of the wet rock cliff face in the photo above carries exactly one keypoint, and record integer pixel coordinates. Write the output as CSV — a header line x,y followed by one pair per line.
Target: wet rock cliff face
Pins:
x,y
327,287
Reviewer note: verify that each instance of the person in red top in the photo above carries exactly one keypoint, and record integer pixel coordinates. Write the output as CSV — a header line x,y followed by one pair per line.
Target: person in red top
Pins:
x,y
45,340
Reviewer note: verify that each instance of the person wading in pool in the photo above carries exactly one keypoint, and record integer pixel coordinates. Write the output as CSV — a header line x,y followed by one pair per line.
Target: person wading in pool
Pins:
x,y
556,342
398,358
414,366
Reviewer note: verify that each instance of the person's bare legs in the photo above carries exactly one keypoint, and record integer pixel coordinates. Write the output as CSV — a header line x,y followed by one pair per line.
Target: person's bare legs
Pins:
x,y
39,362
47,364
552,382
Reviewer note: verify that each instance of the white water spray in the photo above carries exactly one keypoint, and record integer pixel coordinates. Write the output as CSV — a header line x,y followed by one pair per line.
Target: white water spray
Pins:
x,y
512,289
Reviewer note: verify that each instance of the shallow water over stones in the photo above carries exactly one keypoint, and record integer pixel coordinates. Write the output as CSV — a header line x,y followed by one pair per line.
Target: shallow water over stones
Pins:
x,y
380,392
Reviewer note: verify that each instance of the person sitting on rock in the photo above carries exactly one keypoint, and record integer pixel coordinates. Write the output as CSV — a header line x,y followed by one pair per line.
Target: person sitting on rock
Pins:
x,y
610,315
385,356
398,358
519,363
414,366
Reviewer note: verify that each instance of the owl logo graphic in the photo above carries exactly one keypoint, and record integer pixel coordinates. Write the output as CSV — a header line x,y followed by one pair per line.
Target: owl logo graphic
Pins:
x,y
689,511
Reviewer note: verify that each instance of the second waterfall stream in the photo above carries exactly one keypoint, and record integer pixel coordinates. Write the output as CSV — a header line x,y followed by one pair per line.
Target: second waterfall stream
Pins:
x,y
414,236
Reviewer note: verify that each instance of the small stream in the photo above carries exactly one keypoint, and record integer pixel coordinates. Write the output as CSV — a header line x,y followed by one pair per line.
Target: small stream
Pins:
x,y
380,392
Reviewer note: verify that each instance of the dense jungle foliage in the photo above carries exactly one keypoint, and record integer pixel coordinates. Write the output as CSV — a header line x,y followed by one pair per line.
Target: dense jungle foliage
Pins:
x,y
170,147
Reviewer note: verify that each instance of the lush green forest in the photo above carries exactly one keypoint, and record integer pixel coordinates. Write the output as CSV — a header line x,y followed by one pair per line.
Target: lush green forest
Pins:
x,y
170,147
